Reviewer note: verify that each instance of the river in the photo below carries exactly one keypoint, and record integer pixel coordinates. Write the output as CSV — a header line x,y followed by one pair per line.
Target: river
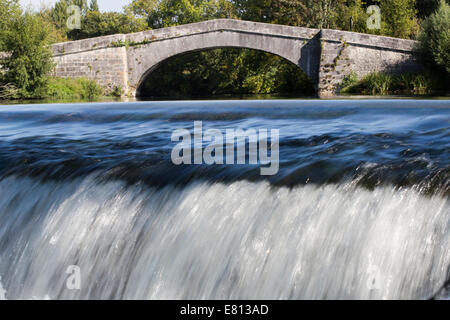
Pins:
x,y
358,208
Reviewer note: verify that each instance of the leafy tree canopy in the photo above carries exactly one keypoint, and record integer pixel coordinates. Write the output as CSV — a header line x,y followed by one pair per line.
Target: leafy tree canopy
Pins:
x,y
30,61
434,39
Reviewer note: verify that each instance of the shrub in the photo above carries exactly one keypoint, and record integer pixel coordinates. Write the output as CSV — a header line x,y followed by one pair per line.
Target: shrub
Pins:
x,y
377,83
73,89
422,84
414,83
90,89
434,39
117,91
404,83
350,80
399,18
63,88
31,60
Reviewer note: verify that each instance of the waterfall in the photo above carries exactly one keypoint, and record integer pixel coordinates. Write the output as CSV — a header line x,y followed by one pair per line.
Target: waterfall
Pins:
x,y
206,240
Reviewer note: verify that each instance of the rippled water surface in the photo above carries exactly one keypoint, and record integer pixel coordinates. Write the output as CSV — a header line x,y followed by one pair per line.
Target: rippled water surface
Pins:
x,y
359,208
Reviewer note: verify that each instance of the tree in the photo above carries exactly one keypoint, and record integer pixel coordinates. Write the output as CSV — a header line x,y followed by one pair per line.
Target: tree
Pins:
x,y
304,13
93,22
399,18
142,8
59,16
30,60
56,35
427,7
96,24
9,9
94,6
434,39
59,12
166,13
351,9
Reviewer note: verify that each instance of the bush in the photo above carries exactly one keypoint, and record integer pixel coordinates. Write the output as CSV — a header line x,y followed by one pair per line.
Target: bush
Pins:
x,y
399,18
117,91
350,80
73,89
63,89
434,39
90,89
413,83
377,83
405,83
31,60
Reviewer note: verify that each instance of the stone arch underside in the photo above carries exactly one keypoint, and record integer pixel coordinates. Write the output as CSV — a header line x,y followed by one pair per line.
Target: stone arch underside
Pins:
x,y
143,59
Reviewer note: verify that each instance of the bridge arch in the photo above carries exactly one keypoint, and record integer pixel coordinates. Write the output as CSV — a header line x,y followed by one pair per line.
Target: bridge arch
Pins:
x,y
146,76
151,50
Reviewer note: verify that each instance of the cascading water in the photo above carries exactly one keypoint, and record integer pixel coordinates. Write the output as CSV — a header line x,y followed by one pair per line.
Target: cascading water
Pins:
x,y
359,209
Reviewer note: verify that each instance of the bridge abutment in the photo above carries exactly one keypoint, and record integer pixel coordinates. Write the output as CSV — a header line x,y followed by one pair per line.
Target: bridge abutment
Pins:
x,y
344,53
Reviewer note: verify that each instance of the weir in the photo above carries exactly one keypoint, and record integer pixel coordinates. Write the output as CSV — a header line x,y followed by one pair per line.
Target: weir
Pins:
x,y
93,207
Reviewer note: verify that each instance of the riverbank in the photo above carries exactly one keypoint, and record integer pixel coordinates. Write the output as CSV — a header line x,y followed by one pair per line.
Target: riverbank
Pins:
x,y
373,86
216,98
63,90
415,84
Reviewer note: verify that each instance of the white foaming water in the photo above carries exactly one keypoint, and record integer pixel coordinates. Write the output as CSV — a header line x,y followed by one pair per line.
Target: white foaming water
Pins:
x,y
2,291
215,241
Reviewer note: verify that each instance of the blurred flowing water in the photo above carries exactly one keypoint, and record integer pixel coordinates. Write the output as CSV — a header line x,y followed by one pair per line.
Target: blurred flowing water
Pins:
x,y
358,210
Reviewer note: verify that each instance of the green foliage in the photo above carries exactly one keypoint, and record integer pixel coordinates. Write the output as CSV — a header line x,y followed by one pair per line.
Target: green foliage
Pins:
x,y
350,80
399,18
226,71
166,13
416,83
93,6
55,34
63,89
93,22
73,89
322,13
30,61
117,92
378,83
427,7
9,9
90,89
96,24
352,9
142,8
59,13
434,47
305,13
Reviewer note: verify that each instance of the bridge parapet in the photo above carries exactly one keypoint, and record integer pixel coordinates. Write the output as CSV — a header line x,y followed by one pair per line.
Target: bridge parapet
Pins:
x,y
223,25
85,45
368,40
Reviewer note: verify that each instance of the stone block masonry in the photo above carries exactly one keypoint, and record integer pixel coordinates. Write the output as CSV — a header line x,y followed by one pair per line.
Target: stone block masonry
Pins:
x,y
95,59
345,52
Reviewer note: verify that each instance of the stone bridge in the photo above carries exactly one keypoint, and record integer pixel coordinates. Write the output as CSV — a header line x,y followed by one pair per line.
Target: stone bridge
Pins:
x,y
326,56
